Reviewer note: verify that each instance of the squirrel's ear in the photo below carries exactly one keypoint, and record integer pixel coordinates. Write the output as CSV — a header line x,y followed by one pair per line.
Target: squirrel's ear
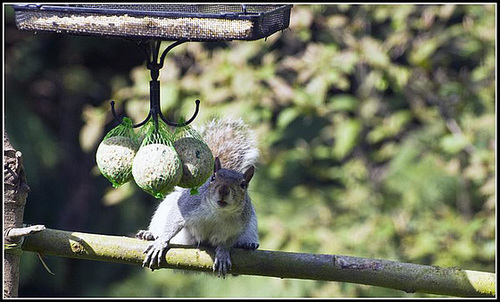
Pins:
x,y
248,174
217,165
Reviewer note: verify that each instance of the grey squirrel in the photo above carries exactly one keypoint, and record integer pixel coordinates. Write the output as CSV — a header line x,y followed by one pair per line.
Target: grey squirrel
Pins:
x,y
221,215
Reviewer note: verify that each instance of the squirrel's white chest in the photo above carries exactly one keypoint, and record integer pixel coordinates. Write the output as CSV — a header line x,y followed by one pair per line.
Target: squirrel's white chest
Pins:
x,y
214,230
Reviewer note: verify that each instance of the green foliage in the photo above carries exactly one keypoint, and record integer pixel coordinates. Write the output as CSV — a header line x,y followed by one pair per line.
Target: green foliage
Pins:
x,y
376,129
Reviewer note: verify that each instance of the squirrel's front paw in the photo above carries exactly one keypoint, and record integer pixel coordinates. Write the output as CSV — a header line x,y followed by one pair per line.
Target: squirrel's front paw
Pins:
x,y
145,235
155,252
222,262
247,245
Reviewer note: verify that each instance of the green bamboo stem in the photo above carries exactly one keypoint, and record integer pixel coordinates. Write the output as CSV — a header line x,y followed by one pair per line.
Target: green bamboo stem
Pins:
x,y
384,273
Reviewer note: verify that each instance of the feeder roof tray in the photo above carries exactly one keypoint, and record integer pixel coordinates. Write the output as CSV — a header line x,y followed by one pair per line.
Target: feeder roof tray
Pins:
x,y
195,22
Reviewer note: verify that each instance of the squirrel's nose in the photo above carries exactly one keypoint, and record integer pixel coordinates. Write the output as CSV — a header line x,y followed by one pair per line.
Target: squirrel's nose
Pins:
x,y
223,191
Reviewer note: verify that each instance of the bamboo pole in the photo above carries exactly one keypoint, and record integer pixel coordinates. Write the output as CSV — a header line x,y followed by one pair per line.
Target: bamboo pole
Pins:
x,y
384,273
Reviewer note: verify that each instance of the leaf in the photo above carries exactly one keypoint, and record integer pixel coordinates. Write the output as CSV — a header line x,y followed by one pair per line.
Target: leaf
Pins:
x,y
422,51
92,130
343,102
346,137
453,143
374,53
287,116
390,126
116,195
317,88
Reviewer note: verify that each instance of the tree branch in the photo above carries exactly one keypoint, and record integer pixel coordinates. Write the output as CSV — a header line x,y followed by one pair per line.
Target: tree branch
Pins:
x,y
390,274
14,199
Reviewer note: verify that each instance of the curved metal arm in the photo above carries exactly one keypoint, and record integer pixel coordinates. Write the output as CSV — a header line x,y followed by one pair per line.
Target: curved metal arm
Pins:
x,y
114,112
162,58
119,120
143,122
151,49
186,122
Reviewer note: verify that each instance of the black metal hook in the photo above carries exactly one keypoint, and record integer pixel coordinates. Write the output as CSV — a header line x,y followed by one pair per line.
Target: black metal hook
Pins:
x,y
151,49
196,110
197,102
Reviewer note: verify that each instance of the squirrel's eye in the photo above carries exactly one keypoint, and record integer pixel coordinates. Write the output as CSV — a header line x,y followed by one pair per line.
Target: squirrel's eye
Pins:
x,y
243,185
212,178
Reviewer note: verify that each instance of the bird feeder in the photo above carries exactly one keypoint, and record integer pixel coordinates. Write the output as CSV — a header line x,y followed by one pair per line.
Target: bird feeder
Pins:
x,y
147,25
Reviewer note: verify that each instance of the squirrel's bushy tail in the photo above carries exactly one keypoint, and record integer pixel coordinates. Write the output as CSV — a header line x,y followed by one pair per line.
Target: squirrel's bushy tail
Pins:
x,y
232,141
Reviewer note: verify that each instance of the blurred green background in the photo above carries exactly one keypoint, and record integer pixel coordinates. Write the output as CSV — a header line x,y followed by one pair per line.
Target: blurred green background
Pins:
x,y
376,126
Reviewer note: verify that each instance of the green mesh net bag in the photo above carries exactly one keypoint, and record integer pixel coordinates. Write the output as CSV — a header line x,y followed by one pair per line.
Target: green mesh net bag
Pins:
x,y
116,152
196,157
156,167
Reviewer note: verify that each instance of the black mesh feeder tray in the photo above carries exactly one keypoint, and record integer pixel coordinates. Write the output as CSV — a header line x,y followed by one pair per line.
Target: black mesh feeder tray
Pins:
x,y
147,25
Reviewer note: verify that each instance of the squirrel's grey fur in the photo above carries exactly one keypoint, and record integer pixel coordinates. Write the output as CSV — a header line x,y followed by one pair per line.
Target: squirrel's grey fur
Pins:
x,y
221,215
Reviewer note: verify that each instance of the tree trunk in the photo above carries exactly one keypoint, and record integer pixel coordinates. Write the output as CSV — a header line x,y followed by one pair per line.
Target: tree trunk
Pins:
x,y
15,192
